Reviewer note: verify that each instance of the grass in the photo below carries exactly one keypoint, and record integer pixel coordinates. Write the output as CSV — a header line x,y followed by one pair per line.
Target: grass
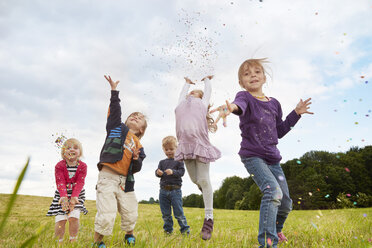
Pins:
x,y
233,228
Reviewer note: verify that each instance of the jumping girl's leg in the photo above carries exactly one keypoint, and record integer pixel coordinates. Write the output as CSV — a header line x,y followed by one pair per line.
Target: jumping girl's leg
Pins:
x,y
191,170
272,195
286,203
205,183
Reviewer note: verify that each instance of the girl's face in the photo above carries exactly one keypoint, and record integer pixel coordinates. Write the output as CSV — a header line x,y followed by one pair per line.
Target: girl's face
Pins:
x,y
72,152
196,93
253,79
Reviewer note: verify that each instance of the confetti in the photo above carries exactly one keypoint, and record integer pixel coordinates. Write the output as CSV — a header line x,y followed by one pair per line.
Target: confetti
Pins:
x,y
310,194
347,169
348,195
366,82
345,100
269,242
364,215
281,178
361,76
314,225
355,203
327,195
298,162
356,123
355,113
337,156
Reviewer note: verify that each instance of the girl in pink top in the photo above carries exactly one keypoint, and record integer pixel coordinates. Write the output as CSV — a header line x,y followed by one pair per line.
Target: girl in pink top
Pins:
x,y
69,197
192,125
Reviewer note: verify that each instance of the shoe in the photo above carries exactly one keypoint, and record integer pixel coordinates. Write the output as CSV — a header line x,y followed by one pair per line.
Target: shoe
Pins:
x,y
207,229
99,245
187,232
282,238
130,239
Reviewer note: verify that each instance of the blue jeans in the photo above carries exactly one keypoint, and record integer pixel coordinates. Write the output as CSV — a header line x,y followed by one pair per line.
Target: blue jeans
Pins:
x,y
167,200
275,203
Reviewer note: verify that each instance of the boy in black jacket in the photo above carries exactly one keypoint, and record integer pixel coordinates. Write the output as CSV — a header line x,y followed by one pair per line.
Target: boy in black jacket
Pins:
x,y
170,172
121,156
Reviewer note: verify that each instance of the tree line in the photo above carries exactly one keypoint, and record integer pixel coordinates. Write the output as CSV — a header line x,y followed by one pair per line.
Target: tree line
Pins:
x,y
317,180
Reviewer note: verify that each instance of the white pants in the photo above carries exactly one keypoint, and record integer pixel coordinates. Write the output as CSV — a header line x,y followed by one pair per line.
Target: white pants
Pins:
x,y
111,199
73,214
199,174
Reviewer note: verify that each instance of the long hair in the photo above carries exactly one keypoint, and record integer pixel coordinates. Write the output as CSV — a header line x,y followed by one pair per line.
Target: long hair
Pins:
x,y
210,121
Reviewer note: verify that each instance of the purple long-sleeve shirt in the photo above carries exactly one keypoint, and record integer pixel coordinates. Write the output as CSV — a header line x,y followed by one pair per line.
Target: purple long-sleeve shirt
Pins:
x,y
261,125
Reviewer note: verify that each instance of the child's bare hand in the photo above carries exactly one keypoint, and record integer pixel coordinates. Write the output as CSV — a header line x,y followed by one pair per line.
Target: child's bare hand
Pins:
x,y
73,202
303,106
159,172
224,111
111,82
136,153
209,77
188,80
64,203
169,171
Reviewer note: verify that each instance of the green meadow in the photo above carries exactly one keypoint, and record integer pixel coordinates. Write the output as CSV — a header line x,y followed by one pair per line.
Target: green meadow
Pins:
x,y
233,228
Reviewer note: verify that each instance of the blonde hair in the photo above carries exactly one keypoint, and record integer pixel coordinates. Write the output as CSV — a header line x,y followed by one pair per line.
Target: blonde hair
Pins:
x,y
71,142
251,63
210,121
169,141
139,134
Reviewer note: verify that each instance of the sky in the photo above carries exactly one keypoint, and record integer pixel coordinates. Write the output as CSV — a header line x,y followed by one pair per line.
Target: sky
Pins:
x,y
53,56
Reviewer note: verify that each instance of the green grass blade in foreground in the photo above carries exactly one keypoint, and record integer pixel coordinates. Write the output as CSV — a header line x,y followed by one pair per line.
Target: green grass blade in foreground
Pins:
x,y
13,196
30,242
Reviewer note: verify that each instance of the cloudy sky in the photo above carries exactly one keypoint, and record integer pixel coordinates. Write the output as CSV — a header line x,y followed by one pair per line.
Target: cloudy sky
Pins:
x,y
53,56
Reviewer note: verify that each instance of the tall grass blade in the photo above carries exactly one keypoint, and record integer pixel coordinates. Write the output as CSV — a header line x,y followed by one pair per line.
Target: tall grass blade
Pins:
x,y
30,241
13,196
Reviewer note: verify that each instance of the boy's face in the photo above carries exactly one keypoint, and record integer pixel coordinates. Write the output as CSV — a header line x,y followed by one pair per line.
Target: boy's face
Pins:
x,y
169,150
136,123
253,78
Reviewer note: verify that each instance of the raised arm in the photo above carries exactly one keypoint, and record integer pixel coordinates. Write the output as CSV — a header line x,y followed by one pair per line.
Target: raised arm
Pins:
x,y
207,90
114,112
185,90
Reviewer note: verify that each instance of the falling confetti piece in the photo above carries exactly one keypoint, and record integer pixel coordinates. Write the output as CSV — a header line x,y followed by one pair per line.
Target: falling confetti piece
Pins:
x,y
327,195
355,203
364,215
363,140
318,189
281,178
360,99
366,82
318,216
335,110
269,242
338,200
348,195
345,100
314,225
299,202
310,194
298,162
356,123
367,115
316,13
337,156
347,169
361,76
355,113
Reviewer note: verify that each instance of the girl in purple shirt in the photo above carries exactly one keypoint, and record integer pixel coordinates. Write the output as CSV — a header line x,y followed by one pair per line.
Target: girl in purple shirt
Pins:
x,y
261,126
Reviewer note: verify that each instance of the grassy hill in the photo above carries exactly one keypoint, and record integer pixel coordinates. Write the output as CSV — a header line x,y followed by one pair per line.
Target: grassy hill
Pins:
x,y
233,228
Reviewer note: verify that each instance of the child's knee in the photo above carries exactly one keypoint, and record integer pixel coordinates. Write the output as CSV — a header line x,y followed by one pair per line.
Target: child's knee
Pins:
x,y
203,182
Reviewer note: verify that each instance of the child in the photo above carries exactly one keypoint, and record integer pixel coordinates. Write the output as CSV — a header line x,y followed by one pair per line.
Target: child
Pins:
x,y
192,124
261,125
170,172
121,156
69,197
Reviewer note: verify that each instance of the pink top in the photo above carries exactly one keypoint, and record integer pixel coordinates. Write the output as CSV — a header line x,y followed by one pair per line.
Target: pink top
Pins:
x,y
192,128
63,180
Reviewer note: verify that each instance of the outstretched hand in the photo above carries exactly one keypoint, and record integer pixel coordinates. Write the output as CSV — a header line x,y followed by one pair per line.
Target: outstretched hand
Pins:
x,y
209,77
188,80
111,82
303,106
224,111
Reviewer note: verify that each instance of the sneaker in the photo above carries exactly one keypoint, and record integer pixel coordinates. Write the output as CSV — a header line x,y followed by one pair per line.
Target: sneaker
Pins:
x,y
186,232
207,229
130,239
282,238
99,245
